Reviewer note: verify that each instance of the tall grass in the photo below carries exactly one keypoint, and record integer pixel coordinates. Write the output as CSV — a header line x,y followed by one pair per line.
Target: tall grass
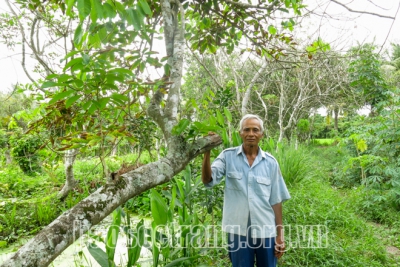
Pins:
x,y
345,239
296,164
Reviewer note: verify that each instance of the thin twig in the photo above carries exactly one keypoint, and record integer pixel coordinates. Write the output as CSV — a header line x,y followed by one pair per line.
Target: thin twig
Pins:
x,y
389,29
362,12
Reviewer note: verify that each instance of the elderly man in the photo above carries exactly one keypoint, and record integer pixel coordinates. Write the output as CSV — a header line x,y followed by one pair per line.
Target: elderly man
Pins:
x,y
254,192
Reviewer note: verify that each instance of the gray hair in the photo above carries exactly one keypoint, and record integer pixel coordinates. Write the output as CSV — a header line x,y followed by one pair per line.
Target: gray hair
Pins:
x,y
251,116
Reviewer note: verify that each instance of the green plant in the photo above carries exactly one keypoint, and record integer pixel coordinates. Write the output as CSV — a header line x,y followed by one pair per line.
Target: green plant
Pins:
x,y
106,258
24,151
323,228
46,213
303,130
295,163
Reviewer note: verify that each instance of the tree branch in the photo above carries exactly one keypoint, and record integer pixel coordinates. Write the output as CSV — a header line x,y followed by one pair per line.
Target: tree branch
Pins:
x,y
390,29
251,85
206,69
362,12
245,5
175,61
34,50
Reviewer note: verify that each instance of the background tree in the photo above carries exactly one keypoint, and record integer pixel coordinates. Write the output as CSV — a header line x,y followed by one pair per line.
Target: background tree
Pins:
x,y
366,76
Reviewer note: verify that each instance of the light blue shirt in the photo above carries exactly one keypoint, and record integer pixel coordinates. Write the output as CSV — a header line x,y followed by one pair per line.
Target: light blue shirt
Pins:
x,y
249,191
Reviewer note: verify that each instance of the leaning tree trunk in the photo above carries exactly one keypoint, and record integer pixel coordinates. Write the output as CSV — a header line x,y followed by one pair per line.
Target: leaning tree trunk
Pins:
x,y
70,182
68,227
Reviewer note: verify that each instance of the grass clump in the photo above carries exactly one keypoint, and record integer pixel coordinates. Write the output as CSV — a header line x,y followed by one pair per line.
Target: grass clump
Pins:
x,y
294,161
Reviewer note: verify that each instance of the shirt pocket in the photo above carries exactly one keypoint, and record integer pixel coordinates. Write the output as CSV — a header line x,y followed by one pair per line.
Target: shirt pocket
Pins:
x,y
262,186
234,180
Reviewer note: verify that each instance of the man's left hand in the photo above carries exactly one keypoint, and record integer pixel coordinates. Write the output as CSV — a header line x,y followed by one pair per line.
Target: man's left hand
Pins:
x,y
279,247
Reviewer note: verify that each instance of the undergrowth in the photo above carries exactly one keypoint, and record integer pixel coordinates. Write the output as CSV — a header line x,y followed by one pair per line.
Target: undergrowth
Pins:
x,y
345,238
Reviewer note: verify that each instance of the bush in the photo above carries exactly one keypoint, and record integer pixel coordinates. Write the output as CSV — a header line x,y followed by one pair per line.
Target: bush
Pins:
x,y
24,151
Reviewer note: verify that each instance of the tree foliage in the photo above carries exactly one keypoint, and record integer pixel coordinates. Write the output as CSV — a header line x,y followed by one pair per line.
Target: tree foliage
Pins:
x,y
366,75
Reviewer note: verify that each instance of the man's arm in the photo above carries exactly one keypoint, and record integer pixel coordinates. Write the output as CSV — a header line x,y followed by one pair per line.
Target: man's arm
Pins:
x,y
279,240
206,169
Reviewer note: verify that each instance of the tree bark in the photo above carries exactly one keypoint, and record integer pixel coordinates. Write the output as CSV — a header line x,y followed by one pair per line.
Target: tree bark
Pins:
x,y
70,182
336,118
246,96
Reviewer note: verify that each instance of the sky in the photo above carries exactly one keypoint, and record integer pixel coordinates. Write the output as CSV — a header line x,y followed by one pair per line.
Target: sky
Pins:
x,y
334,24
343,29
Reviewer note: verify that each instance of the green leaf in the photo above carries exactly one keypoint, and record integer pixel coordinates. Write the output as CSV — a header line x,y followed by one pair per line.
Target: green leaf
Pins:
x,y
211,48
173,198
71,100
167,69
146,7
85,59
136,245
103,35
213,121
119,97
93,107
64,77
220,118
97,10
86,105
112,234
73,62
51,84
78,66
70,4
98,254
133,18
206,22
51,76
94,40
103,102
228,114
108,11
84,8
72,53
156,251
180,127
271,29
236,139
121,71
119,6
159,209
61,95
78,35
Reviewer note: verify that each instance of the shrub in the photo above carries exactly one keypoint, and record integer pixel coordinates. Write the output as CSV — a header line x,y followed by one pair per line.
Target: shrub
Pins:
x,y
24,151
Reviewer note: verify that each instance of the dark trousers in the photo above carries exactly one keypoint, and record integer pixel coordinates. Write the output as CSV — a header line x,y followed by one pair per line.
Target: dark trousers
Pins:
x,y
244,250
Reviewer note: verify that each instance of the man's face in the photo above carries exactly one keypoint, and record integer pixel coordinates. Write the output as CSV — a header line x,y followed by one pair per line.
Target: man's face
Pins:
x,y
251,133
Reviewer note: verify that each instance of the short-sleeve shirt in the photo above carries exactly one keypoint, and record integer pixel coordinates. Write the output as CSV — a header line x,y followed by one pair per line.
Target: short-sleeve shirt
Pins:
x,y
249,191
